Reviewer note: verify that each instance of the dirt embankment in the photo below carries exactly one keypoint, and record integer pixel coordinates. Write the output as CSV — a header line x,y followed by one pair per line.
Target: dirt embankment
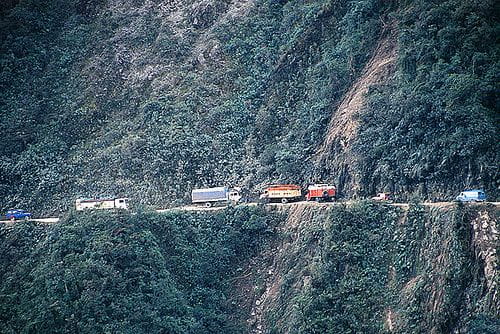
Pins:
x,y
335,154
269,281
485,241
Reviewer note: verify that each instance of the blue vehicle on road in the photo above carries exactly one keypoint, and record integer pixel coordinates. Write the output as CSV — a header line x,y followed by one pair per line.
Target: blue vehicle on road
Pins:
x,y
17,214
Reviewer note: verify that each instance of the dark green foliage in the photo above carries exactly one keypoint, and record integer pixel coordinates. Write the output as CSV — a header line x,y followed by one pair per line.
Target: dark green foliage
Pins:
x,y
146,273
377,269
483,324
349,283
434,127
115,99
118,98
408,238
439,278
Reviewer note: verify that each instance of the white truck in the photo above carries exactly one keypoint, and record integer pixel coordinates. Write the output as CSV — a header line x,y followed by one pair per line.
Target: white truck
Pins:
x,y
101,204
209,196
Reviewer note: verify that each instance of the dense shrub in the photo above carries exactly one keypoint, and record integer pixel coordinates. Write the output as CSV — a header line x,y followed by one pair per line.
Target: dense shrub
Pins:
x,y
349,291
113,272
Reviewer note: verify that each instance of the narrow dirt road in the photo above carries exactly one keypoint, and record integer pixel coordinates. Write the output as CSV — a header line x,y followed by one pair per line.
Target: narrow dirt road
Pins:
x,y
51,220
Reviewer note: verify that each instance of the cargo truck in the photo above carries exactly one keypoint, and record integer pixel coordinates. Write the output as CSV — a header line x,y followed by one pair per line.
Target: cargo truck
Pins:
x,y
321,192
102,203
211,196
281,192
383,197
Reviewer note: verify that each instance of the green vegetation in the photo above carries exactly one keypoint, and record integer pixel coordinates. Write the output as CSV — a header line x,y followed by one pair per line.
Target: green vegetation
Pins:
x,y
377,269
442,282
116,273
349,283
127,98
335,273
149,99
358,269
433,128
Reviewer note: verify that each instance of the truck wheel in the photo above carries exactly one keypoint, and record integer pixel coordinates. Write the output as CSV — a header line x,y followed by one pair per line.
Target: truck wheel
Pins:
x,y
318,199
284,200
208,205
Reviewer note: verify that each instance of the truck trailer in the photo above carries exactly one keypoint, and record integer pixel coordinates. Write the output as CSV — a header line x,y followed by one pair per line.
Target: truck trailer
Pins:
x,y
321,192
101,204
210,196
281,192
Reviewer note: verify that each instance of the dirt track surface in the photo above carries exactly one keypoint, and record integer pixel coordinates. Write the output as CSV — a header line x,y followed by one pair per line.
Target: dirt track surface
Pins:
x,y
51,220
39,220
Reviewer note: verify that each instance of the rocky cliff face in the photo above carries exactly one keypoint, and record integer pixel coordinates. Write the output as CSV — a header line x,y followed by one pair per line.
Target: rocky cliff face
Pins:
x,y
416,269
360,267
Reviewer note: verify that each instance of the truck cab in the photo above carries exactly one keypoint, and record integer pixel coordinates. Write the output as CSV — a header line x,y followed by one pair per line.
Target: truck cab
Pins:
x,y
234,195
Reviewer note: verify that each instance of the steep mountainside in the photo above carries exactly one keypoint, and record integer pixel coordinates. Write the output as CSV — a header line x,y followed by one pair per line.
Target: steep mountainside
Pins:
x,y
369,269
299,268
149,99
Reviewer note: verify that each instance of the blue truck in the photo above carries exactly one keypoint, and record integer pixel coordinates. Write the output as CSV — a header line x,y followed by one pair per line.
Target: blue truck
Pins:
x,y
14,214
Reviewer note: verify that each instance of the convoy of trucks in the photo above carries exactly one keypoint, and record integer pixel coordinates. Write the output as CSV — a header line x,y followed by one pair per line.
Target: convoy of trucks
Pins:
x,y
283,193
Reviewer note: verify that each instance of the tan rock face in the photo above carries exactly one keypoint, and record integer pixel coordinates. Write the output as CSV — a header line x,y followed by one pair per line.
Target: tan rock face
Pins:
x,y
335,154
485,243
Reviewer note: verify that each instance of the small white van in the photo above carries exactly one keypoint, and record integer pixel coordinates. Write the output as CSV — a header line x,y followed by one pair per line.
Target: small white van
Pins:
x,y
472,196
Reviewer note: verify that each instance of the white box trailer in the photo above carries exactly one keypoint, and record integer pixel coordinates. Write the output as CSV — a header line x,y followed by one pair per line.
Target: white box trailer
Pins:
x,y
101,204
209,196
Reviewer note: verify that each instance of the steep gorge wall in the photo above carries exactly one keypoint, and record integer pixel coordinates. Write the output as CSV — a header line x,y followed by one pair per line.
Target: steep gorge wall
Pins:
x,y
417,269
336,153
299,268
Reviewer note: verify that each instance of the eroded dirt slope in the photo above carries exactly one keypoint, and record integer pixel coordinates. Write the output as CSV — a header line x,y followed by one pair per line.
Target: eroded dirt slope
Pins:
x,y
335,154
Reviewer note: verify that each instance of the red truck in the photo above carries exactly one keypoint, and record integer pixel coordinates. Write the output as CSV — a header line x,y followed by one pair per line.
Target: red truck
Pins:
x,y
321,192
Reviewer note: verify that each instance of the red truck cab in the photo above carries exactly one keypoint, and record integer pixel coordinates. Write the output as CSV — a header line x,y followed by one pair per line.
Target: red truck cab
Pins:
x,y
321,192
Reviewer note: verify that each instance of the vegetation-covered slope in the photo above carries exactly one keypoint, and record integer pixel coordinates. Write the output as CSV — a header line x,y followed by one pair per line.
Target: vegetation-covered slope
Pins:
x,y
377,269
152,98
116,273
307,269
